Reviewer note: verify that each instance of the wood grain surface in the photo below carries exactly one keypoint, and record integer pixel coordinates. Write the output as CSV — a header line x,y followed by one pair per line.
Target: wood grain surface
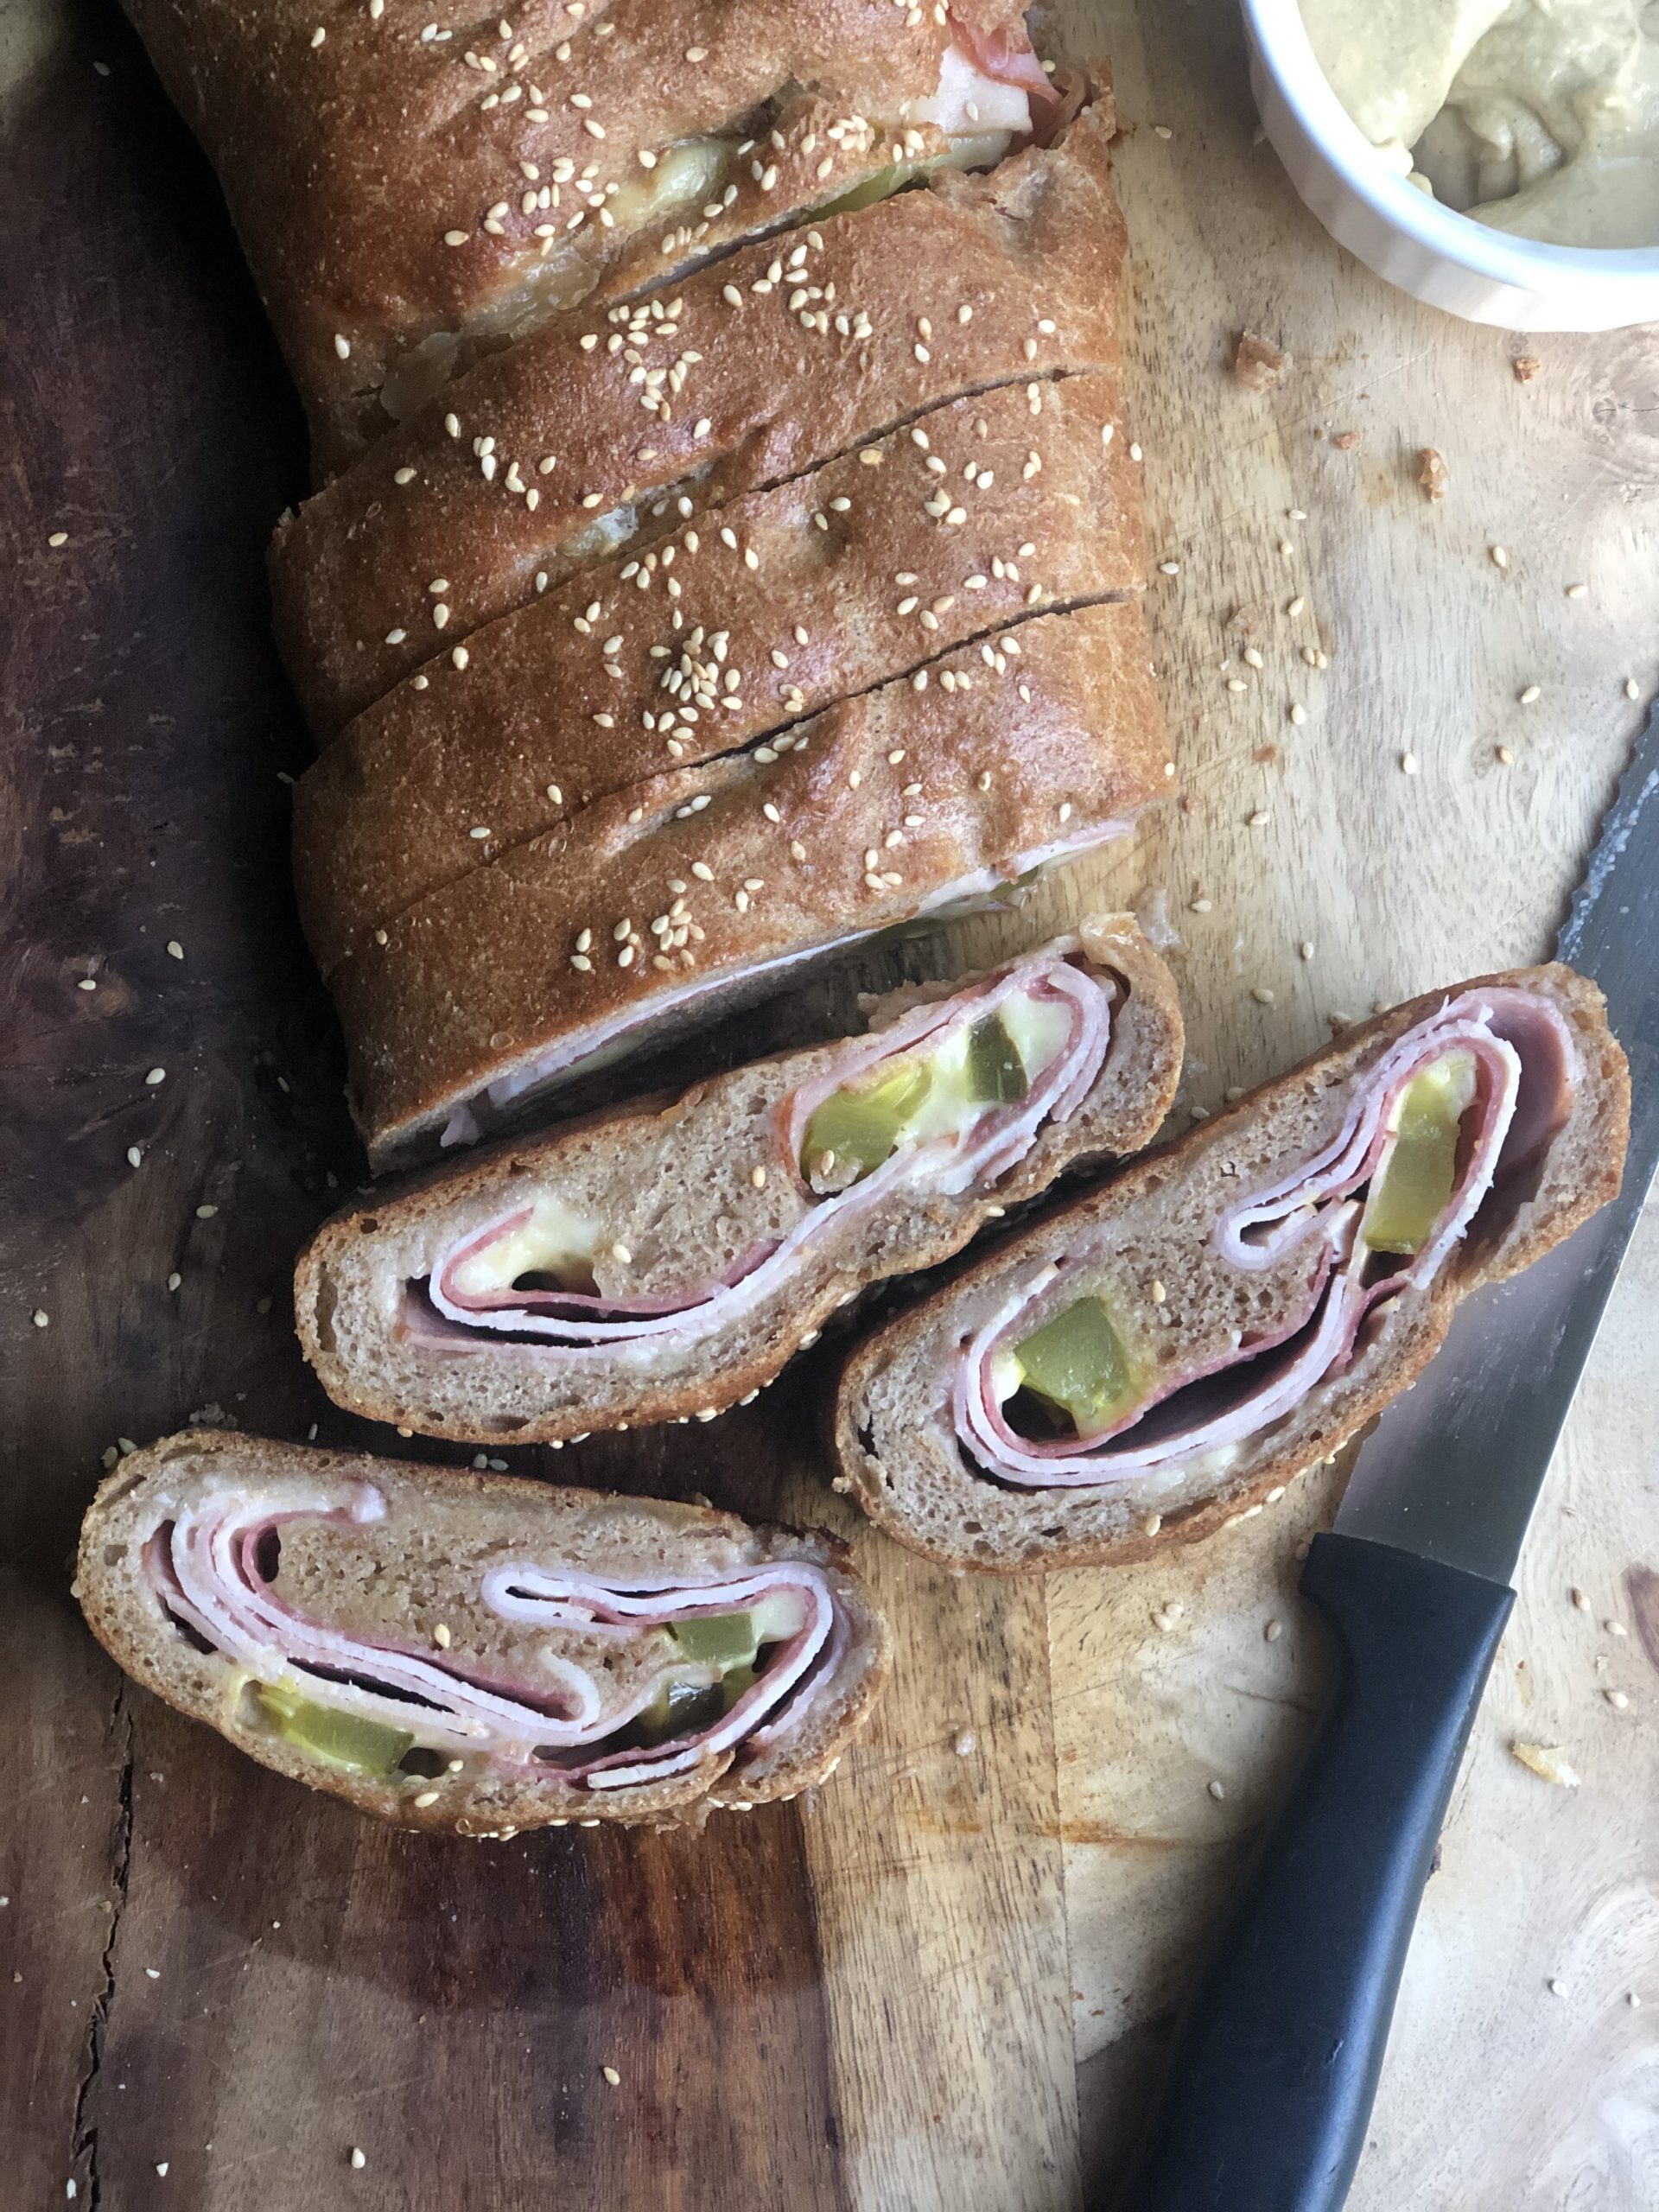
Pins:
x,y
943,1981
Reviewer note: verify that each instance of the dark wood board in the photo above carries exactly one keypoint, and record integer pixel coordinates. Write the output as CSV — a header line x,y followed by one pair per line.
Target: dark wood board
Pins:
x,y
875,1998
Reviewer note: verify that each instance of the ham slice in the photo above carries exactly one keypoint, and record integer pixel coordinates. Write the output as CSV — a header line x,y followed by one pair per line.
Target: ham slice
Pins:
x,y
565,1322
203,1564
1526,1069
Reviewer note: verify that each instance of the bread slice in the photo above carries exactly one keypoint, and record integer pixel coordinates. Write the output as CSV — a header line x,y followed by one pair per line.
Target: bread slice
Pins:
x,y
732,628
468,1612
698,891
603,429
712,1215
409,193
1252,1338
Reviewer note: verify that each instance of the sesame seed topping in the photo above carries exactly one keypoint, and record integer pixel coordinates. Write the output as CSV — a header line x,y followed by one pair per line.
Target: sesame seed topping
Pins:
x,y
621,1254
1532,691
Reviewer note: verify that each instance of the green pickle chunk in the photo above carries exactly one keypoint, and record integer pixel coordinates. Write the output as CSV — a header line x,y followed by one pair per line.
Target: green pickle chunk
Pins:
x,y
721,1639
861,1128
1078,1362
996,1074
1415,1187
881,184
346,1739
679,1708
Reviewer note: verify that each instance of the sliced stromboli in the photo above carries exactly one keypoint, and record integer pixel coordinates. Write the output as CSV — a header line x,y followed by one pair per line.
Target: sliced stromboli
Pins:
x,y
1155,1359
734,628
408,192
653,909
476,1654
744,375
663,1261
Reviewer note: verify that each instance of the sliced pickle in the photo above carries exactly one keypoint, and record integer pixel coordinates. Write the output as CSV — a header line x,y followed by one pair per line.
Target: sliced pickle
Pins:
x,y
996,1074
680,1709
1415,1187
1078,1362
863,1127
734,1683
344,1738
881,184
719,1639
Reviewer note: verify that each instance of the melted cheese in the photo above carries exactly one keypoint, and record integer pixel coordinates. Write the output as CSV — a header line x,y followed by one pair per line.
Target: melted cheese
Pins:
x,y
556,1241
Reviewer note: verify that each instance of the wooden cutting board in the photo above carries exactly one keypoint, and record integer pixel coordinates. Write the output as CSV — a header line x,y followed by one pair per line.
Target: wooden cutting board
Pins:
x,y
943,1981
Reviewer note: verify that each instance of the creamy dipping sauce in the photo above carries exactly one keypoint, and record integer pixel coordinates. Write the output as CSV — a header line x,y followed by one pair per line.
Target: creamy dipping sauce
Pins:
x,y
1538,116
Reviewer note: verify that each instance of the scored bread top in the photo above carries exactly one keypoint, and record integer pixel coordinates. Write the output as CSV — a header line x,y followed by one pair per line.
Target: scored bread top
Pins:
x,y
885,806
678,1199
418,1567
528,468
1150,1234
406,189
734,626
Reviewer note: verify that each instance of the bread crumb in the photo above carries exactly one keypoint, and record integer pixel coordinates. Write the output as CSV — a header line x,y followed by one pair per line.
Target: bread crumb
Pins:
x,y
967,1743
1548,1762
1432,472
1258,364
1525,367
1347,441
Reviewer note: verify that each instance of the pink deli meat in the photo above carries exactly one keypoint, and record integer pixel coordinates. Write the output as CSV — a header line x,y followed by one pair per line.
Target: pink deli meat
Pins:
x,y
569,1322
203,1564
1526,1067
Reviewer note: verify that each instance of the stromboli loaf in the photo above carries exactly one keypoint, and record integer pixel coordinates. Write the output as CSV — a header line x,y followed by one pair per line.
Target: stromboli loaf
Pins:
x,y
696,891
737,624
477,1655
565,447
698,1244
409,191
1154,1360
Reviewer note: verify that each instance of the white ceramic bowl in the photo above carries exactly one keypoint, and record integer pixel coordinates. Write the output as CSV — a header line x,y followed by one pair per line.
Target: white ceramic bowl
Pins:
x,y
1431,251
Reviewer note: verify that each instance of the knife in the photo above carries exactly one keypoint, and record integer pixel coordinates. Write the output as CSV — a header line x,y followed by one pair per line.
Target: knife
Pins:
x,y
1275,2059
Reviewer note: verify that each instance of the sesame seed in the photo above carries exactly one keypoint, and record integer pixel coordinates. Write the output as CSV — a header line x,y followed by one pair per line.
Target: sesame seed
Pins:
x,y
1305,948
555,794
426,1797
1505,758
358,2159
1217,1790
135,1158
1259,819
1298,713
1617,1699
1169,568
440,615
455,238
580,963
1578,591
1632,689
460,656
1202,906
610,2072
1500,555
1296,606
478,831
395,636
1261,995
452,424
1532,691
206,1212
155,1076
758,1177
40,1317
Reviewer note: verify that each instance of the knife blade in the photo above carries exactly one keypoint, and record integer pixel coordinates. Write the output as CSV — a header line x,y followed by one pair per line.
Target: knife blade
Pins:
x,y
1275,2060
1454,1467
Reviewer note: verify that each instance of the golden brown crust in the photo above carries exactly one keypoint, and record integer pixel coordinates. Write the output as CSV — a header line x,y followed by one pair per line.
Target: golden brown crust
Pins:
x,y
1060,740
307,113
1034,249
349,1280
782,603
1585,1169
131,1629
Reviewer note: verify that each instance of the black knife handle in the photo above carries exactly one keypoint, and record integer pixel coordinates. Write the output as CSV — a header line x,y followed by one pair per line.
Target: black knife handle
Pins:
x,y
1276,2055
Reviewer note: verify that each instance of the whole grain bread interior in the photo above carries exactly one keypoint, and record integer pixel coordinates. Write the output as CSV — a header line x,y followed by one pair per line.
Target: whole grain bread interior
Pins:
x,y
352,1567
702,888
1151,1249
685,1204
